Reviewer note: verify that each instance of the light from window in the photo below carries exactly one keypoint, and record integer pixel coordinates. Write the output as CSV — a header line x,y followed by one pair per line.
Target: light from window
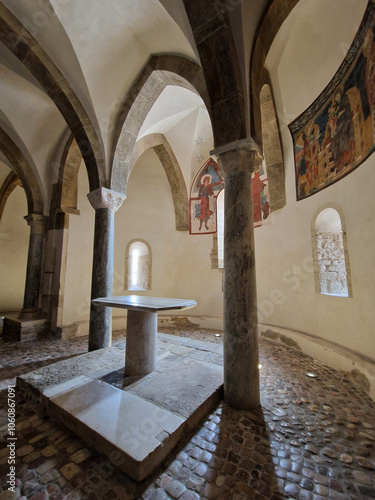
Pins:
x,y
138,266
134,266
330,254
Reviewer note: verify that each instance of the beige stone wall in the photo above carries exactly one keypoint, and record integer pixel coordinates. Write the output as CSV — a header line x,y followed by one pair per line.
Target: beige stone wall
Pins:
x,y
14,244
181,265
284,255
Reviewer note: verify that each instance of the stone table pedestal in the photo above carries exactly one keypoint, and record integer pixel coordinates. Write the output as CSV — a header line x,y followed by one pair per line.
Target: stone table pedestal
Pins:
x,y
141,332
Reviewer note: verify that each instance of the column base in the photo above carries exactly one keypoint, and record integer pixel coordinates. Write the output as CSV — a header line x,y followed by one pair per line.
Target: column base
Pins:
x,y
23,329
29,314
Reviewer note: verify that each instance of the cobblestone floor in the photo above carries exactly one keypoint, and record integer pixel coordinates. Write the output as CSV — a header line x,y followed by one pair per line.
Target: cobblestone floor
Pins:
x,y
313,439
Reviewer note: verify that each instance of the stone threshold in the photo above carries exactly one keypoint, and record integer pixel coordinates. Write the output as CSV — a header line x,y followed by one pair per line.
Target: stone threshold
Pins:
x,y
135,422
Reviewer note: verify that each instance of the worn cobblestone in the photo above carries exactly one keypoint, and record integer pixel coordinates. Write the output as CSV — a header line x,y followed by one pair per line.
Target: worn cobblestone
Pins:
x,y
313,438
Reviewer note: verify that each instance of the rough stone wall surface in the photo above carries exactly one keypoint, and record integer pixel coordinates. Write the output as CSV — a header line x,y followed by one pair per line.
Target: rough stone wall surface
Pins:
x,y
143,272
142,281
331,263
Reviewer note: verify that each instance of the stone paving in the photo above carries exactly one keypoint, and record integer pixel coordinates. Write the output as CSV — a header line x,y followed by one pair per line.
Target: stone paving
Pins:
x,y
312,439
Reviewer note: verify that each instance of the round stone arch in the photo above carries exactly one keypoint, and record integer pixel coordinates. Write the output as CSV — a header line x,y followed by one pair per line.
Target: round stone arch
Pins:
x,y
23,170
162,148
160,71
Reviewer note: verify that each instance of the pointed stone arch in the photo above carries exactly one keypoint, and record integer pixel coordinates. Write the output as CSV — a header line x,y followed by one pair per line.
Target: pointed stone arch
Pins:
x,y
27,49
160,71
67,187
23,171
162,148
9,185
271,22
63,203
272,151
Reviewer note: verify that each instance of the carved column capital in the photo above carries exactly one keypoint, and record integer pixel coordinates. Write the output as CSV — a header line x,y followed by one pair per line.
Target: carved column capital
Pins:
x,y
106,198
243,155
37,222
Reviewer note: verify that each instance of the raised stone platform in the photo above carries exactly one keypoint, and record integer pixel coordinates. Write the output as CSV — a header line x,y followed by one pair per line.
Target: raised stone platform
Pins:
x,y
134,421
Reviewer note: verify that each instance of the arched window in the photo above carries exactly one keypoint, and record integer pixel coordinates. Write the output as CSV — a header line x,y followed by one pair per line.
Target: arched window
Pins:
x,y
331,262
138,266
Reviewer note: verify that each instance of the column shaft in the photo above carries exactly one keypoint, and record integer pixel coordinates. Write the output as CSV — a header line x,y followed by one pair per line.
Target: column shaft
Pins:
x,y
241,358
102,279
106,203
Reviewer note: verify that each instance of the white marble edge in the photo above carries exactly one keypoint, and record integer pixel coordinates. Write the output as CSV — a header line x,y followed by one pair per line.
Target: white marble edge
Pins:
x,y
134,303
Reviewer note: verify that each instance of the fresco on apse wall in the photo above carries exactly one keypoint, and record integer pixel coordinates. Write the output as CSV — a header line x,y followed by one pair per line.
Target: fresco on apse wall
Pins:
x,y
204,191
261,200
336,133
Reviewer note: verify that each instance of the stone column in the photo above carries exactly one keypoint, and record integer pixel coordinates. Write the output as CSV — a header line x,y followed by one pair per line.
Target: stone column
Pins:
x,y
241,373
106,203
32,298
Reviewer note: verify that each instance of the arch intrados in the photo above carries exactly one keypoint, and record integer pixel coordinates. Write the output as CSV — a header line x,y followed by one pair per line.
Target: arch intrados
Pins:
x,y
271,22
24,172
9,185
163,150
161,71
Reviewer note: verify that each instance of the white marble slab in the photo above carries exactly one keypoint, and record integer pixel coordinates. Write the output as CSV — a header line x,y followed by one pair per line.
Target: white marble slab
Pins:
x,y
119,424
145,304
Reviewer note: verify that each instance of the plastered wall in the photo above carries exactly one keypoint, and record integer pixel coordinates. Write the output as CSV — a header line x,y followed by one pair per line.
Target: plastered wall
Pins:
x,y
14,244
181,265
285,280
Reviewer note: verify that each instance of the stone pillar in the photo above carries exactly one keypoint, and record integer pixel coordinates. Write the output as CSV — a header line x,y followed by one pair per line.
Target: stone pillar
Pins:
x,y
32,298
106,203
241,359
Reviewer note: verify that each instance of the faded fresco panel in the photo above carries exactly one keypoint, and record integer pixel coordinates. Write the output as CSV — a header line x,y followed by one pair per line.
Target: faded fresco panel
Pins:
x,y
261,200
206,186
205,189
336,133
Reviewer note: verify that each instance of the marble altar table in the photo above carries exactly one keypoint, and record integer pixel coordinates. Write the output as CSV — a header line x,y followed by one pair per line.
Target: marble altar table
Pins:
x,y
141,329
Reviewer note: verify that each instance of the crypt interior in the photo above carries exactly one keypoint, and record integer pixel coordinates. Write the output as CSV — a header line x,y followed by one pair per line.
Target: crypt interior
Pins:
x,y
218,151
